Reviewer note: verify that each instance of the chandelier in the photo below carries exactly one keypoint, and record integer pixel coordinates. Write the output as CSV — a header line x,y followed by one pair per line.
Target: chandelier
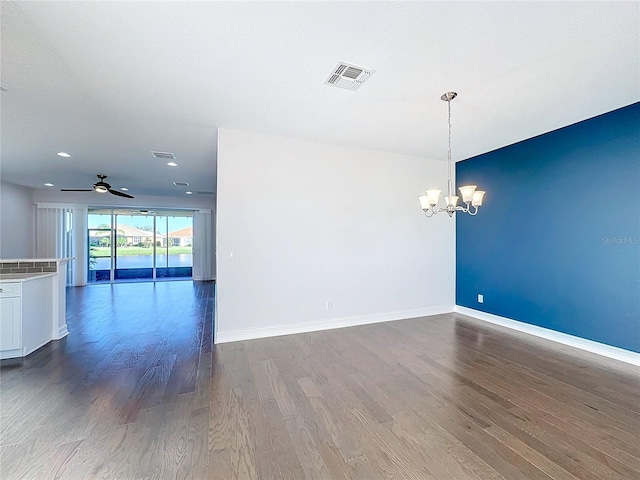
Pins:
x,y
471,197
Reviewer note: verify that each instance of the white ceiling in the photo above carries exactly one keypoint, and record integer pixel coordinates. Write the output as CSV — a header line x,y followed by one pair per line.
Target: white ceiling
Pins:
x,y
110,81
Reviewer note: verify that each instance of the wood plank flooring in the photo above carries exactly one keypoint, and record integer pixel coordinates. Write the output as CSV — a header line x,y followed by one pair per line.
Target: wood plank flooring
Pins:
x,y
139,391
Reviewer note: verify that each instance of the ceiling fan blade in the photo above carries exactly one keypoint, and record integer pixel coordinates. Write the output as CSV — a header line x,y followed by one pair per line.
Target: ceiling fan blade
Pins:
x,y
75,190
120,194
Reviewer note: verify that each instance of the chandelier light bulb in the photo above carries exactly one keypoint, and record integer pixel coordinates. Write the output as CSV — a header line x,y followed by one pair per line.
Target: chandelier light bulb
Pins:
x,y
467,192
451,201
434,196
476,201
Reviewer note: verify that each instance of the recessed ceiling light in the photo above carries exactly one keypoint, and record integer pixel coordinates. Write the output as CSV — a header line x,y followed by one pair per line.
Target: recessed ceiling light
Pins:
x,y
48,184
63,154
189,193
172,164
124,189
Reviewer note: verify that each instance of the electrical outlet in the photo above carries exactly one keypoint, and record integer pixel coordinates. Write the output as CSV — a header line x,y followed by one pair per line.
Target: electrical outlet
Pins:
x,y
480,298
329,305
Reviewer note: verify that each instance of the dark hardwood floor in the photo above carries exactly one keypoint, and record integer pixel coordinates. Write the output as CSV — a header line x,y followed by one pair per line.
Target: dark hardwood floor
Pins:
x,y
138,391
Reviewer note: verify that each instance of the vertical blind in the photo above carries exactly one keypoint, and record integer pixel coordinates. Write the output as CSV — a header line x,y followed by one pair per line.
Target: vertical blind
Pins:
x,y
59,234
202,245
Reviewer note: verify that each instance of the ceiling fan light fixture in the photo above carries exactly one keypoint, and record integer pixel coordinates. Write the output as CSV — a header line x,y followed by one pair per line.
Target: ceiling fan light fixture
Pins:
x,y
100,187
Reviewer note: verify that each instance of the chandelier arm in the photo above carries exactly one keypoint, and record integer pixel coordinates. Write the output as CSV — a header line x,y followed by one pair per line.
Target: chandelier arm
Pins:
x,y
473,212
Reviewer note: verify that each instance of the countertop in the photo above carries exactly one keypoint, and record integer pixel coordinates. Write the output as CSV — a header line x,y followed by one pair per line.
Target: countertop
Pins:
x,y
8,260
23,277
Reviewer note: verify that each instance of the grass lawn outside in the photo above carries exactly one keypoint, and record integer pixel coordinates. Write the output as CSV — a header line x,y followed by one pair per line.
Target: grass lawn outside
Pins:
x,y
134,251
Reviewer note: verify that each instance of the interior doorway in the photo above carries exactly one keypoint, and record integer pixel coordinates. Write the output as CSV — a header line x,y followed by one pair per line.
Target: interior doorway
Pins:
x,y
139,245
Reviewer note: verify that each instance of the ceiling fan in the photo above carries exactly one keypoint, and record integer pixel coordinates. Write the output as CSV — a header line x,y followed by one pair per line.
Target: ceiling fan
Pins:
x,y
100,187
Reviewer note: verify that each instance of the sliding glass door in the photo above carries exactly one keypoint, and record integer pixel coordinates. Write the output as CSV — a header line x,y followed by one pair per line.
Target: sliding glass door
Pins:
x,y
133,257
139,245
174,248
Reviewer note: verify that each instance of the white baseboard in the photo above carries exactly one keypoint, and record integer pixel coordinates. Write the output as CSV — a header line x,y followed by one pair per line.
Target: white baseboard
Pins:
x,y
59,332
616,353
26,351
277,330
201,278
16,353
21,352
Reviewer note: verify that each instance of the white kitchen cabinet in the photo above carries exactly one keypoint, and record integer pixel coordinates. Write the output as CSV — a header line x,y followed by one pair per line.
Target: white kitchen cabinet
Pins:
x,y
26,315
10,317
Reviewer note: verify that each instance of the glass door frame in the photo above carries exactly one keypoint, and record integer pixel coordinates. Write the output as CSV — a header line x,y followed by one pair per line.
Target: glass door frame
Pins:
x,y
111,247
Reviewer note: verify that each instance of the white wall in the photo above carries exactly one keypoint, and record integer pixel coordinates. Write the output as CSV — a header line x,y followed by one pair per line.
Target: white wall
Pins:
x,y
309,223
16,221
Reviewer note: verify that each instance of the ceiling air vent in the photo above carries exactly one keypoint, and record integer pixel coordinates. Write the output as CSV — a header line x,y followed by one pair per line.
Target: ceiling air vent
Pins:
x,y
204,193
164,155
181,184
348,76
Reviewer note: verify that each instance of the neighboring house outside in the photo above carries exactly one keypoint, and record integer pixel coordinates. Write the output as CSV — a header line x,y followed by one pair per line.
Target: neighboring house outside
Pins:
x,y
180,238
127,236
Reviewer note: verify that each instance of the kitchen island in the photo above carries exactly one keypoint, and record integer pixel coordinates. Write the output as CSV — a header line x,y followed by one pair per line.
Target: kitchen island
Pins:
x,y
32,304
26,313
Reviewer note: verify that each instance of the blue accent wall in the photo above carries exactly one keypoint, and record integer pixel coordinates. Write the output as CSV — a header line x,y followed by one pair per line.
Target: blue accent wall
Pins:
x,y
557,240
